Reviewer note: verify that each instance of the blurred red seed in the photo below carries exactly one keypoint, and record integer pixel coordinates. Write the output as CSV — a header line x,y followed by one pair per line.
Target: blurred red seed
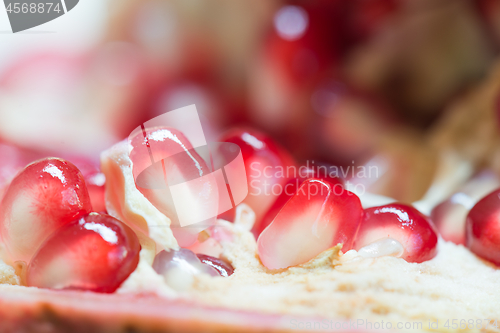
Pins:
x,y
483,228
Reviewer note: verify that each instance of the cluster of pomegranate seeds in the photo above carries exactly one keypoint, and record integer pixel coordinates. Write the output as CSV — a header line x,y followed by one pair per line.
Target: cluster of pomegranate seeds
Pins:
x,y
266,165
223,267
313,220
289,189
95,253
163,157
483,228
401,223
44,196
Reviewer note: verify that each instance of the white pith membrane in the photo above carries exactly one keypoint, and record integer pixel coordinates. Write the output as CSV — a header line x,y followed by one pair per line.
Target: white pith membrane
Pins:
x,y
453,285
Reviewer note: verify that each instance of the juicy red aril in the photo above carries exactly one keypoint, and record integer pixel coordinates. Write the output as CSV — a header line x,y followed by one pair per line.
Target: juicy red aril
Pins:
x,y
163,157
313,220
44,196
483,228
13,160
224,268
449,216
96,186
348,122
95,253
299,52
266,166
403,223
288,191
95,181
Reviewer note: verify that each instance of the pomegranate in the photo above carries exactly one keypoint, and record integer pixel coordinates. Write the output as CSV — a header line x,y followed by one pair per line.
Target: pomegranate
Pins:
x,y
402,223
313,220
95,253
44,196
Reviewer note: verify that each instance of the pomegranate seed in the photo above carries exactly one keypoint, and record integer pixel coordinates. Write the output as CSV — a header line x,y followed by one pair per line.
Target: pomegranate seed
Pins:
x,y
228,215
298,51
13,160
95,253
115,68
179,268
44,196
313,220
402,223
289,190
450,215
179,163
483,228
292,59
95,181
96,186
348,122
266,167
224,268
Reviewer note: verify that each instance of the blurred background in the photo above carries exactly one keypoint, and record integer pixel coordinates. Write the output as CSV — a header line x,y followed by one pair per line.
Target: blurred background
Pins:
x,y
406,85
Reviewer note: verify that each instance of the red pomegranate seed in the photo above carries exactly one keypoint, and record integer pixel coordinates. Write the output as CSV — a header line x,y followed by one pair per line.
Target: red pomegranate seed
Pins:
x,y
13,160
96,186
95,181
402,223
175,162
313,220
224,268
449,216
297,50
348,123
483,228
293,56
44,196
289,190
266,166
95,253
